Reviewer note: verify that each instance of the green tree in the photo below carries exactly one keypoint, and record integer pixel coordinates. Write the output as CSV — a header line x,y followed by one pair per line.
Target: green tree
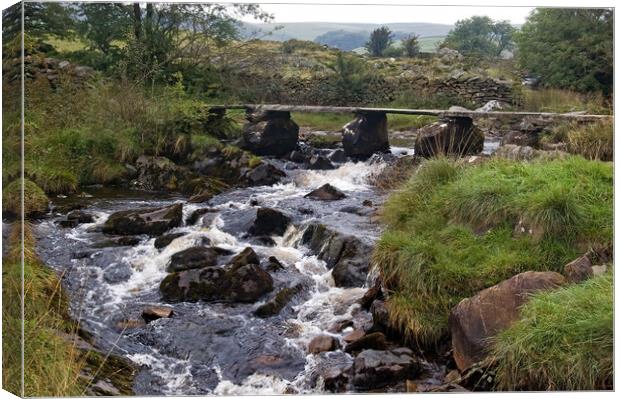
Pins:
x,y
103,23
380,40
352,78
411,45
480,36
569,48
40,20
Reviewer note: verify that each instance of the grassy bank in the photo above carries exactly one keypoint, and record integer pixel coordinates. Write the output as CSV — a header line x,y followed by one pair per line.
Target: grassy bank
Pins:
x,y
52,363
453,230
564,340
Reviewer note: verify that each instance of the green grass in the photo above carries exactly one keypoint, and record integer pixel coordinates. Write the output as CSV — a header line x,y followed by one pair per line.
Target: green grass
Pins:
x,y
52,363
559,100
451,231
35,200
564,340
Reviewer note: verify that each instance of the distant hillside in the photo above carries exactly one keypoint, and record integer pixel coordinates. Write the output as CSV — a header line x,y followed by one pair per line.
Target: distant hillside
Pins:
x,y
337,31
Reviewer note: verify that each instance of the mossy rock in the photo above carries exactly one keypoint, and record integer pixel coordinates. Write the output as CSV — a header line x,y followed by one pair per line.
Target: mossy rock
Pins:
x,y
35,200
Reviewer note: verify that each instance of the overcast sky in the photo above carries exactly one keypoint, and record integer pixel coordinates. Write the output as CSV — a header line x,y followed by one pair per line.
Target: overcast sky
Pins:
x,y
386,13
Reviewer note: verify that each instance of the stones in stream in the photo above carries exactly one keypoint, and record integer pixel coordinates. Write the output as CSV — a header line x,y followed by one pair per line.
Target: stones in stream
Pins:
x,y
269,222
193,258
245,257
198,214
274,306
374,340
75,218
152,313
326,192
165,240
264,174
380,368
320,162
151,221
323,343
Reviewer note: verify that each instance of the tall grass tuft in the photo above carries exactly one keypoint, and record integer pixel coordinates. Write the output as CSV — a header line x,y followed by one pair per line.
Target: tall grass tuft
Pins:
x,y
564,340
560,100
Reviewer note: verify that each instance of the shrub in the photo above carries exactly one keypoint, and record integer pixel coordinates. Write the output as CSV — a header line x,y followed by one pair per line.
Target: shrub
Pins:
x,y
564,340
593,141
35,200
451,231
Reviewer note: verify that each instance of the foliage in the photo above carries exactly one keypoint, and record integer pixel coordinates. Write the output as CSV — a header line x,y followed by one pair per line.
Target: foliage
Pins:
x,y
451,231
562,100
393,51
52,363
352,78
480,36
41,19
380,39
563,342
569,48
35,200
591,140
343,40
411,45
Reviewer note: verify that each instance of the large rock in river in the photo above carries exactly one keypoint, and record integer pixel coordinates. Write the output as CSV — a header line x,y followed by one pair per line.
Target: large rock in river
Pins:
x,y
237,283
475,320
151,221
269,222
379,368
365,135
326,192
453,136
270,133
193,258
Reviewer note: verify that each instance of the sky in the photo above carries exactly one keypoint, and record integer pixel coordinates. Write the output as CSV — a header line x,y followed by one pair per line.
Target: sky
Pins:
x,y
389,13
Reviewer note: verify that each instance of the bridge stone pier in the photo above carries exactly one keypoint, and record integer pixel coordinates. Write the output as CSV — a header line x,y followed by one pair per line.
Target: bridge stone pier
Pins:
x,y
366,135
269,133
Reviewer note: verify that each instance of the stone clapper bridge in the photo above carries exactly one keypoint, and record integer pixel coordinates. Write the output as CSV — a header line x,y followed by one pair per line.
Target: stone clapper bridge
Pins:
x,y
271,131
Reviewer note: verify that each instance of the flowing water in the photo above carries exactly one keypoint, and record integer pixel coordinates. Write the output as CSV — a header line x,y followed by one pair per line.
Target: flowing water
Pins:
x,y
218,348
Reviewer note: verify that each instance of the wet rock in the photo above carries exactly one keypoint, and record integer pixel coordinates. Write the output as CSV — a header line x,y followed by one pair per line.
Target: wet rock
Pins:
x,y
578,270
365,135
238,284
298,157
338,156
156,312
245,257
335,379
353,336
201,197
117,273
273,133
130,324
326,192
192,258
165,240
373,293
379,368
269,222
322,343
151,221
161,174
477,319
264,174
274,265
68,223
266,241
198,213
126,241
374,340
275,306
319,162
380,315
453,136
340,325
355,210
80,216
367,203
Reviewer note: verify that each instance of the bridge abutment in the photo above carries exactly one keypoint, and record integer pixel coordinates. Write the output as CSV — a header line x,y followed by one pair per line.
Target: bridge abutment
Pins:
x,y
366,135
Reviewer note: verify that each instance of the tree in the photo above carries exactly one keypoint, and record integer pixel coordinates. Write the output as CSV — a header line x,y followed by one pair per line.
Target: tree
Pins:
x,y
352,78
103,23
40,20
380,39
480,36
411,45
569,48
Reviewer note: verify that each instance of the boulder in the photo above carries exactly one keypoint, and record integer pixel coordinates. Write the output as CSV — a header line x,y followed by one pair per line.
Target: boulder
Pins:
x,y
453,136
151,221
195,216
274,265
578,270
320,162
80,216
477,319
353,336
374,340
161,174
322,343
165,240
365,135
237,284
245,257
273,133
379,368
269,222
274,306
118,242
156,312
338,156
371,295
264,174
380,316
326,192
340,325
192,258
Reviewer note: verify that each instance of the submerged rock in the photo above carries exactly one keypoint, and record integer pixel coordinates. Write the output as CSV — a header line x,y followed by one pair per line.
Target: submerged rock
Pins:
x,y
199,213
264,174
477,319
319,162
192,258
156,312
326,192
151,221
118,242
269,222
274,306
